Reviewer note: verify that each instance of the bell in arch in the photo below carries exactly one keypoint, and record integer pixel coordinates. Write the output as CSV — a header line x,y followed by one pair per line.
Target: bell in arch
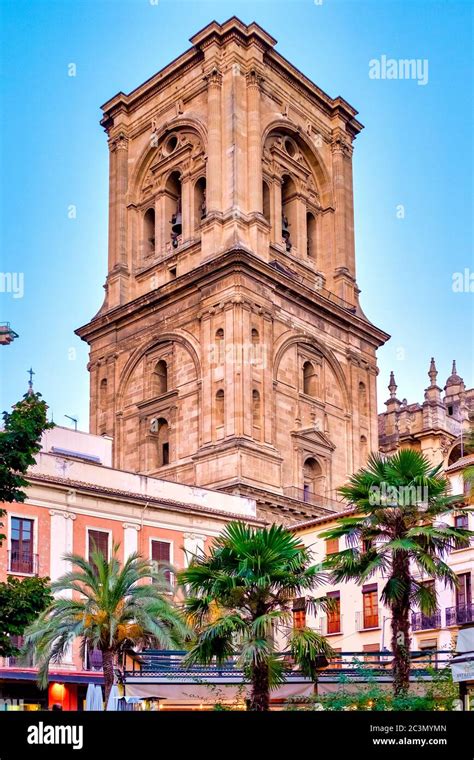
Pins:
x,y
177,221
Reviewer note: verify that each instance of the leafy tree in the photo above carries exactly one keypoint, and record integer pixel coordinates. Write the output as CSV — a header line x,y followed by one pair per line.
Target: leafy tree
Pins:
x,y
20,441
240,600
114,608
21,601
399,502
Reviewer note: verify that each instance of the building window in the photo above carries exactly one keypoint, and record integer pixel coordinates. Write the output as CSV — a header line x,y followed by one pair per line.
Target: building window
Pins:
x,y
161,377
370,607
461,521
255,337
363,449
371,655
161,556
299,613
103,394
463,591
98,543
313,478
311,236
334,614
22,558
332,546
149,232
220,410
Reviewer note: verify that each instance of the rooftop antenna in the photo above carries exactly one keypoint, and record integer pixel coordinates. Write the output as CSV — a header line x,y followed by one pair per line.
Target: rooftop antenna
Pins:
x,y
73,419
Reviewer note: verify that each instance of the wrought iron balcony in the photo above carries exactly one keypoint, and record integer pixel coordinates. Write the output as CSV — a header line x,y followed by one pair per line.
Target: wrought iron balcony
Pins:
x,y
22,562
301,494
421,622
460,614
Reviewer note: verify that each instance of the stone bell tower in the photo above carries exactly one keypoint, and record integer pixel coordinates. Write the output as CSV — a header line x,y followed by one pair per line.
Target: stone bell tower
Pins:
x,y
231,350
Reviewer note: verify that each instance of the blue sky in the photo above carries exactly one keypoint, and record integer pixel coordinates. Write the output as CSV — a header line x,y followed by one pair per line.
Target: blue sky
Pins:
x,y
416,151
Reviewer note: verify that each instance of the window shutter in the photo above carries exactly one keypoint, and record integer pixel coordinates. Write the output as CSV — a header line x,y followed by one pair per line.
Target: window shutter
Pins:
x,y
99,542
160,551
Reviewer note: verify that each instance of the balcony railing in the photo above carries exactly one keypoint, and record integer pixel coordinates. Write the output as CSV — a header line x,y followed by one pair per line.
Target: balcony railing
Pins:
x,y
421,622
22,562
460,614
301,494
365,622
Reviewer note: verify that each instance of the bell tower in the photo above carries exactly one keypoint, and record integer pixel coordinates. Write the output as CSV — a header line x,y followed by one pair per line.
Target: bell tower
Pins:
x,y
231,350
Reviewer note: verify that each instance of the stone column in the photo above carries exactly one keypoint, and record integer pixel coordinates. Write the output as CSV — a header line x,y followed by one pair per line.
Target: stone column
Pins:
x,y
121,147
61,543
208,356
193,544
214,148
254,137
130,539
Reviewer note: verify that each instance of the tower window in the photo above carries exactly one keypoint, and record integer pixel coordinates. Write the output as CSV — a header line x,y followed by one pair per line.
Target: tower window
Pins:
x,y
200,208
219,352
313,478
256,411
310,379
163,443
266,202
288,211
149,231
362,398
450,411
161,377
103,394
174,213
311,235
220,408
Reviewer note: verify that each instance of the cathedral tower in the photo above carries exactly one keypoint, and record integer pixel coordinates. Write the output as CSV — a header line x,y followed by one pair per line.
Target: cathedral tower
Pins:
x,y
231,350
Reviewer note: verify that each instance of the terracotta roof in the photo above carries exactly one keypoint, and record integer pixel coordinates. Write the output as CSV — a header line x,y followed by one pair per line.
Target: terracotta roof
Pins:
x,y
321,520
461,463
178,506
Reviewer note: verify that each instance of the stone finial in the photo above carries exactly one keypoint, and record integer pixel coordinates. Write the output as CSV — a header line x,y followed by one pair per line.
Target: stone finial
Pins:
x,y
454,378
392,386
432,373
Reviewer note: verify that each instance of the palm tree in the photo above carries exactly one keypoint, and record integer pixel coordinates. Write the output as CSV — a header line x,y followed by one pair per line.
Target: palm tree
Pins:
x,y
112,608
240,600
397,529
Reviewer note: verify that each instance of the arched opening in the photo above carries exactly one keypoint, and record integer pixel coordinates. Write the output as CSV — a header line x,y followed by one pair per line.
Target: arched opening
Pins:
x,y
313,478
200,209
255,347
311,235
103,394
219,346
256,414
266,202
362,398
363,450
149,232
173,208
288,211
220,410
310,379
163,443
161,377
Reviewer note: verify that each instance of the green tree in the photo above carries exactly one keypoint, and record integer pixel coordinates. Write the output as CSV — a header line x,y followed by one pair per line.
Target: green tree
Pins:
x,y
400,502
21,601
20,441
240,600
114,608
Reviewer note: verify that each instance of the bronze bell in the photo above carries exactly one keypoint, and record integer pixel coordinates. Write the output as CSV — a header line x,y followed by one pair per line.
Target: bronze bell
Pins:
x,y
285,232
176,223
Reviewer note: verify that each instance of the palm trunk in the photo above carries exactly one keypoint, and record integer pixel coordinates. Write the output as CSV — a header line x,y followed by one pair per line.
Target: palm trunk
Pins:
x,y
260,697
108,669
401,627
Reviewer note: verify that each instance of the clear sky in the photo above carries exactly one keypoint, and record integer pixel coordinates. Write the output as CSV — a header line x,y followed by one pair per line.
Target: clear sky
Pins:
x,y
415,152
